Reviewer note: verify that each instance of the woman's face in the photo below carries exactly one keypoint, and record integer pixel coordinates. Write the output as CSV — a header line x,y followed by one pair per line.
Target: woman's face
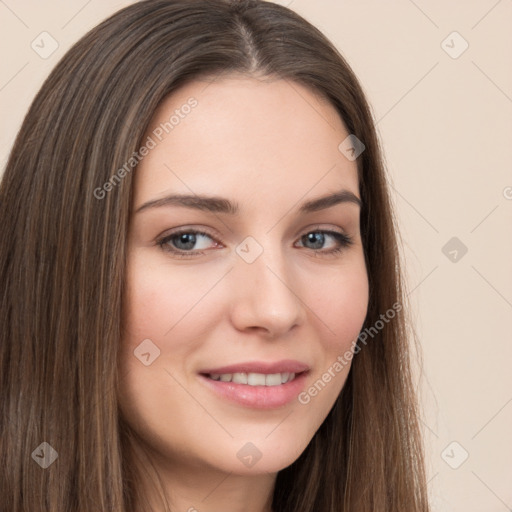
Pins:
x,y
247,277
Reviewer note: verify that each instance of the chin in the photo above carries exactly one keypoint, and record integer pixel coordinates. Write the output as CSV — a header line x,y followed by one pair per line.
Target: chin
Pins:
x,y
258,457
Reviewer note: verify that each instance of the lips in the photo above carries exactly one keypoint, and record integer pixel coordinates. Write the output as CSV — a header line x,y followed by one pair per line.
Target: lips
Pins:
x,y
256,384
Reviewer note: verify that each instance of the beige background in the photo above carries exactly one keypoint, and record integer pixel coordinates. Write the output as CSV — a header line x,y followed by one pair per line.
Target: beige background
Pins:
x,y
446,127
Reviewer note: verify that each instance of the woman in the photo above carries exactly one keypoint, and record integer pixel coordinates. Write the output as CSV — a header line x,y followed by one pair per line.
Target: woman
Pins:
x,y
196,231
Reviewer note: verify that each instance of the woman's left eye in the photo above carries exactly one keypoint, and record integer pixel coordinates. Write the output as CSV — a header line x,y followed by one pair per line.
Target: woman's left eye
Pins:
x,y
192,243
316,238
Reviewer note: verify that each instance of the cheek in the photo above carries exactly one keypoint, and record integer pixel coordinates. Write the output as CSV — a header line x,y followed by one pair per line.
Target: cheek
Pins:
x,y
340,306
341,303
172,310
161,300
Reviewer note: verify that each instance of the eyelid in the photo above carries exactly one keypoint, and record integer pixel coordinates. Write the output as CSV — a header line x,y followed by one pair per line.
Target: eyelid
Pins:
x,y
200,230
193,230
321,227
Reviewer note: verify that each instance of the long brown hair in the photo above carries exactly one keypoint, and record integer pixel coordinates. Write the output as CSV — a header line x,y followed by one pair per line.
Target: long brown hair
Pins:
x,y
62,265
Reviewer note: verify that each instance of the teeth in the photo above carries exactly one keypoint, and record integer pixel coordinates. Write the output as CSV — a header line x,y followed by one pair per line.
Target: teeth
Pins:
x,y
254,379
273,379
239,378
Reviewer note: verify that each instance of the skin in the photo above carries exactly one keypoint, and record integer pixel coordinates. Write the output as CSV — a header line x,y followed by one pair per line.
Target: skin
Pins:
x,y
269,146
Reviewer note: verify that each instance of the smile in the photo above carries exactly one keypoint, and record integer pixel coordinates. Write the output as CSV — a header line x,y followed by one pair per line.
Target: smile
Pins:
x,y
259,385
254,379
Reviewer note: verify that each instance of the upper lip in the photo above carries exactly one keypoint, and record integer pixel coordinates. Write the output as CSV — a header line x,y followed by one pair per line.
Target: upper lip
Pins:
x,y
286,365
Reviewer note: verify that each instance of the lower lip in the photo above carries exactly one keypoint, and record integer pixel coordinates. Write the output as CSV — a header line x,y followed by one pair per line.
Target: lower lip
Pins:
x,y
259,397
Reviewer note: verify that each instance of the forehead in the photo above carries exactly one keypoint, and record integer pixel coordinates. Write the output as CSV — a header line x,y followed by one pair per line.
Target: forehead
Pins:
x,y
245,136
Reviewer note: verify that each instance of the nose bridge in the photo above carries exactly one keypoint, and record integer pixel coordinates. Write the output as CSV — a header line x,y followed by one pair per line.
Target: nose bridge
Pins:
x,y
265,295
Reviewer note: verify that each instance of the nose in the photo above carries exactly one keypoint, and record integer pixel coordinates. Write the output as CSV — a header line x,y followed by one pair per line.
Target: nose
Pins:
x,y
264,299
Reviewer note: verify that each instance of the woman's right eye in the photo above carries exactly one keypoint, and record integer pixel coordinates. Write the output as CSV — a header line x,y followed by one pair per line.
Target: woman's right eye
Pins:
x,y
184,243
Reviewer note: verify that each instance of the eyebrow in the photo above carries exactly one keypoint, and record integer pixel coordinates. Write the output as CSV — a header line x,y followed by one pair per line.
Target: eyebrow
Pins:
x,y
215,204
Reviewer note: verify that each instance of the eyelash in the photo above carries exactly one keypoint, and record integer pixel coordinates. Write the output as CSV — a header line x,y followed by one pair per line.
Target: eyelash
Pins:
x,y
343,240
